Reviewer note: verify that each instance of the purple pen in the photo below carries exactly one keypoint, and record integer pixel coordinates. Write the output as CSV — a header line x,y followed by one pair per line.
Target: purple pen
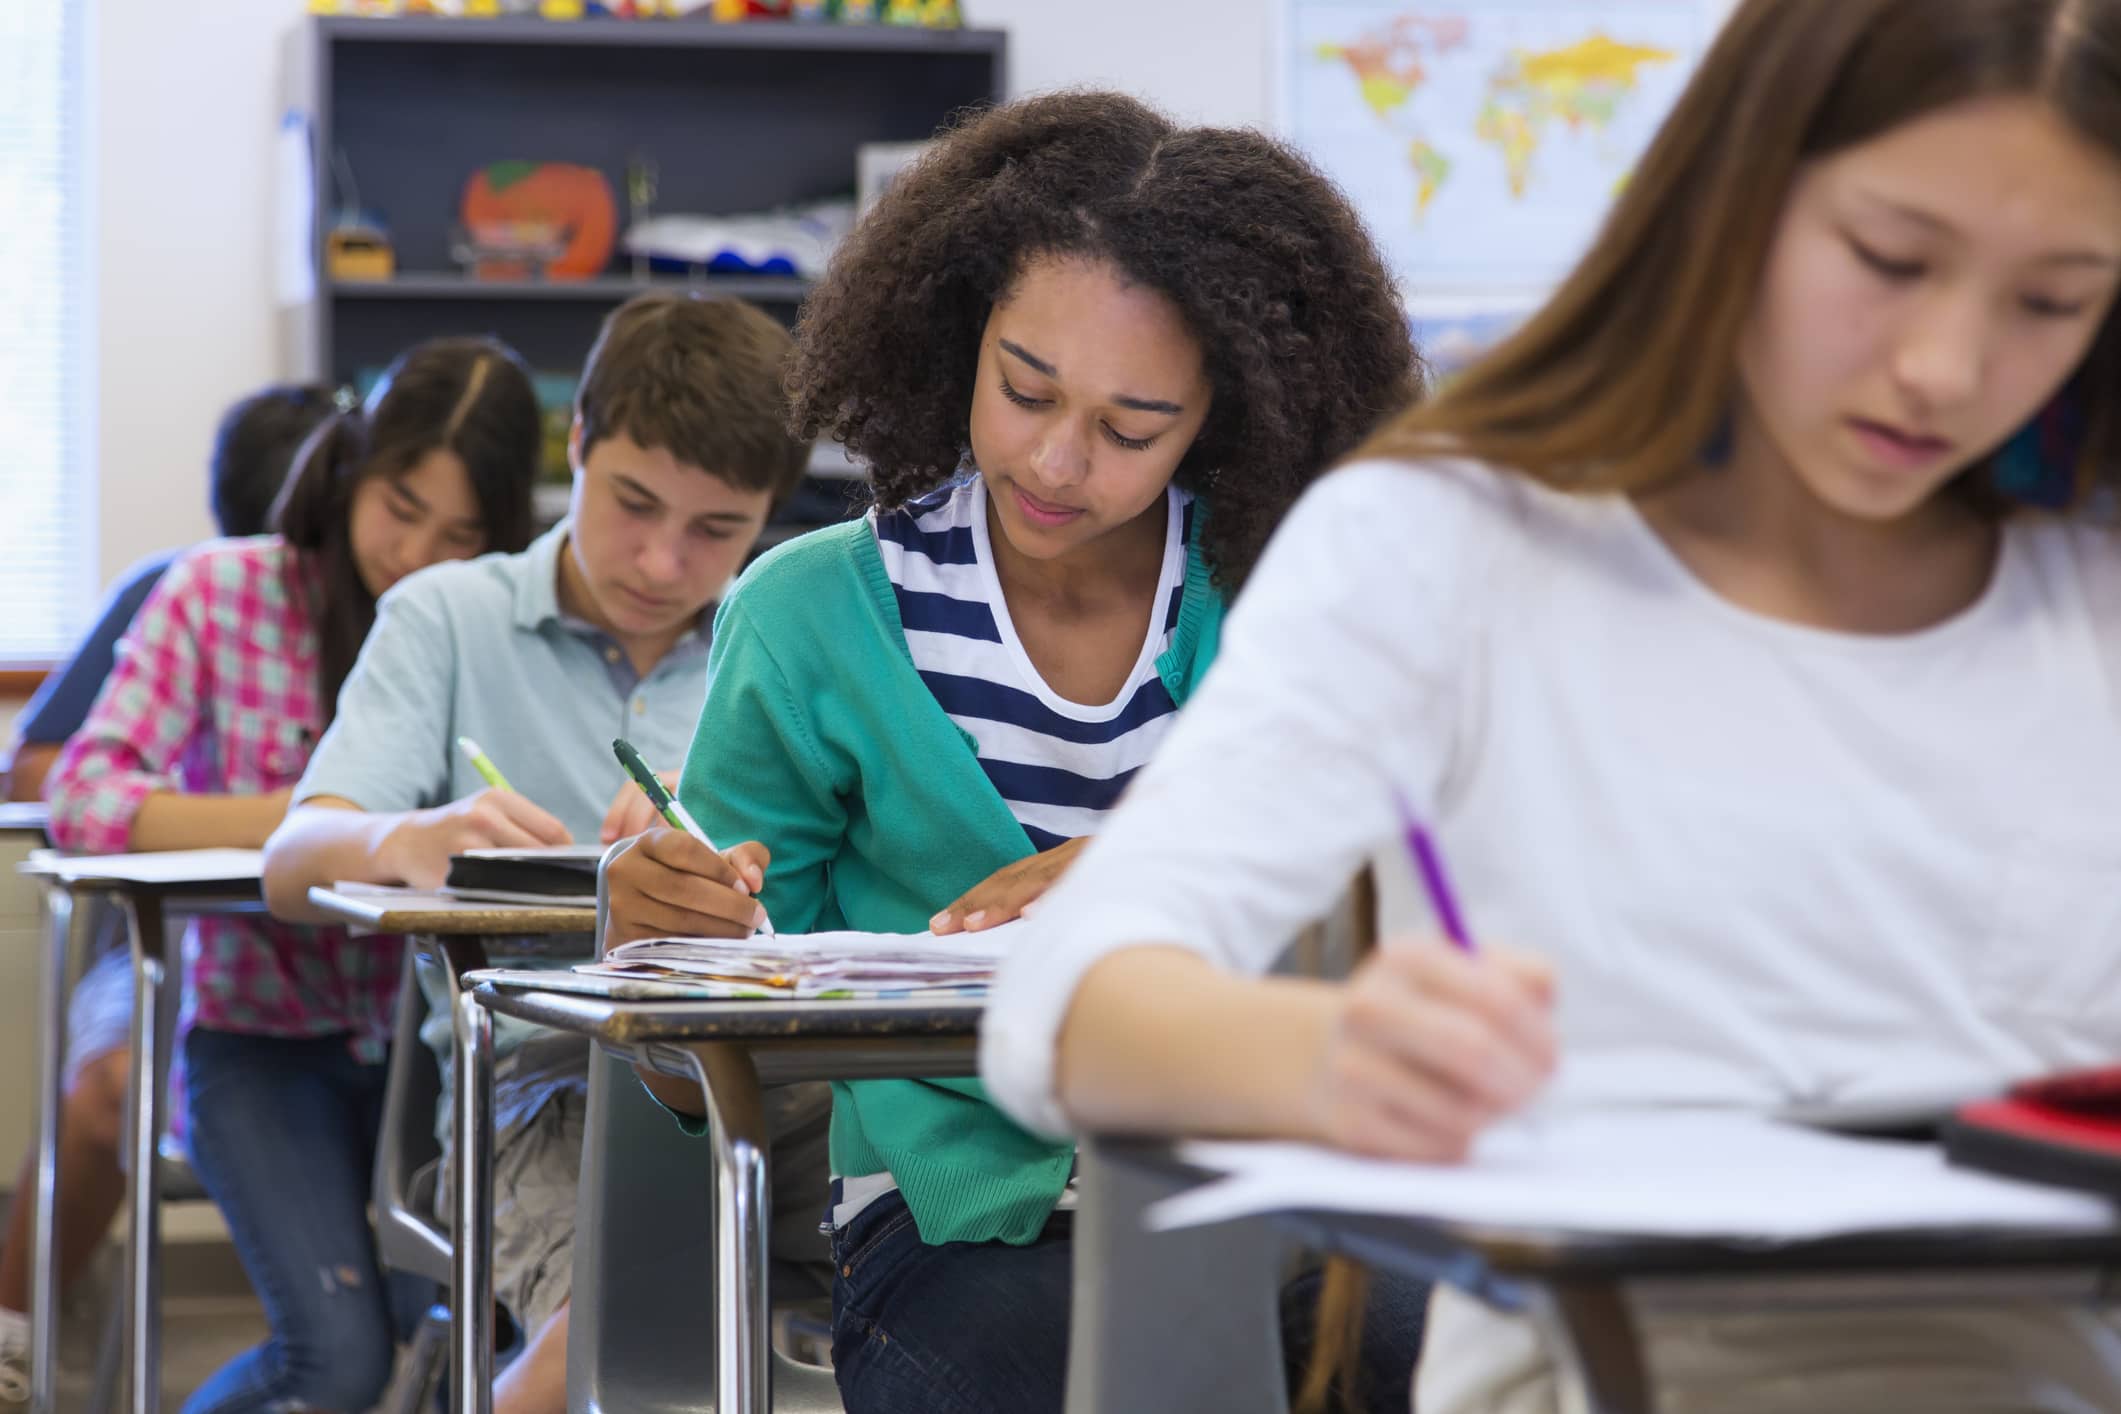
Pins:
x,y
1429,863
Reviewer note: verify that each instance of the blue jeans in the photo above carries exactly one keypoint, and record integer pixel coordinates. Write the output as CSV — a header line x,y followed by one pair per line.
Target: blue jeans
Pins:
x,y
982,1327
283,1135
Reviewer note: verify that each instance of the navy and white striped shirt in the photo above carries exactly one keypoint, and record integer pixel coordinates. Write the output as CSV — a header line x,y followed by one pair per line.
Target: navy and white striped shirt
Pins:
x,y
1059,765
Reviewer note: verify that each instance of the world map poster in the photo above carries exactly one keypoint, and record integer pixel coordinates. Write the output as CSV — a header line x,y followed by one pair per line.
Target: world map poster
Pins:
x,y
1483,140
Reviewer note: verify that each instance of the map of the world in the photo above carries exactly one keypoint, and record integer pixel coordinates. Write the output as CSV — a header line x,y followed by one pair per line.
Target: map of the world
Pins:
x,y
1483,139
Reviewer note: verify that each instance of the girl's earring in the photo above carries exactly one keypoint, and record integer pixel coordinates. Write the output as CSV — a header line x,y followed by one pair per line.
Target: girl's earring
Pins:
x,y
1716,452
2038,465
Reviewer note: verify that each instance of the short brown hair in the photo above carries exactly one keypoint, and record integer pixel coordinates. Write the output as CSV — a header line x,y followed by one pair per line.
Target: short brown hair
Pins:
x,y
699,378
1626,374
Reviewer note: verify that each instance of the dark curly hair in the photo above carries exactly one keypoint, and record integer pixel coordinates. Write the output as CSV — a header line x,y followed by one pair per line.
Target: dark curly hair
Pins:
x,y
1305,342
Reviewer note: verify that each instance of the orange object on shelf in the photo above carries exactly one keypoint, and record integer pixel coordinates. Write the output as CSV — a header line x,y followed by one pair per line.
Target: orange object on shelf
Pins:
x,y
559,201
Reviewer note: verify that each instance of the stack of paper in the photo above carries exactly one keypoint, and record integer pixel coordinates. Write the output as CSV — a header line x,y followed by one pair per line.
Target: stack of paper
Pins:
x,y
810,965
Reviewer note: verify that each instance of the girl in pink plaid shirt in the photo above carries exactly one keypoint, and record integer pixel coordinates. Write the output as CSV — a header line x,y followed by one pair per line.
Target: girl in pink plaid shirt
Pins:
x,y
223,685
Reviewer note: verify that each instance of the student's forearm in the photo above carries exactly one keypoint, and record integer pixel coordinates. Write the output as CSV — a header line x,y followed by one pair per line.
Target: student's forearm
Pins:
x,y
33,761
320,844
170,820
1160,1040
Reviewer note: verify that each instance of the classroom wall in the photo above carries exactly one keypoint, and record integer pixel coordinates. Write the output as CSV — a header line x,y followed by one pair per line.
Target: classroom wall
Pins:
x,y
183,100
182,105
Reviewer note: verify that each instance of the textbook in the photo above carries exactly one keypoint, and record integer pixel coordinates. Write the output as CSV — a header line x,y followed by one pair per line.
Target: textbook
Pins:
x,y
560,874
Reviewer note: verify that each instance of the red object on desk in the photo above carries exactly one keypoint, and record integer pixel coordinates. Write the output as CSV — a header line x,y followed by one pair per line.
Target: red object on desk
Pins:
x,y
2063,1130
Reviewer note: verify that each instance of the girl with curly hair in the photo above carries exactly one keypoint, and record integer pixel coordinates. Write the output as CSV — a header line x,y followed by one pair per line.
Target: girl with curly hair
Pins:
x,y
1092,358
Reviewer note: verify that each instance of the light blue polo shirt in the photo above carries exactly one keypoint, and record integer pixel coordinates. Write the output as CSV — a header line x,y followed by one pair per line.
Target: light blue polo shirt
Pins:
x,y
481,648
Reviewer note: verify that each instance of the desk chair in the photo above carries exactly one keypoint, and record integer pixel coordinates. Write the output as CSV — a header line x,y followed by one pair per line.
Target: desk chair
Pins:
x,y
1219,1285
638,1337
408,1169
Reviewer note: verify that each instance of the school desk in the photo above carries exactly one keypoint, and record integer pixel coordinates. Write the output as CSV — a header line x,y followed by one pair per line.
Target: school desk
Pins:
x,y
1142,1296
148,889
730,1048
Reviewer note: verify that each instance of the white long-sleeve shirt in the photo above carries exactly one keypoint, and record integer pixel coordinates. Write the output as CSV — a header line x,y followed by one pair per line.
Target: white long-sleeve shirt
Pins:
x,y
1769,863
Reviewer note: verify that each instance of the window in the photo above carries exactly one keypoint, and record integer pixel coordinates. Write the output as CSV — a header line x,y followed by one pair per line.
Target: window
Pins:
x,y
45,495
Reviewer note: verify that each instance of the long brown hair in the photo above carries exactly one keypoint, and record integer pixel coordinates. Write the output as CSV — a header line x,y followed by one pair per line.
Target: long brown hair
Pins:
x,y
472,397
1629,370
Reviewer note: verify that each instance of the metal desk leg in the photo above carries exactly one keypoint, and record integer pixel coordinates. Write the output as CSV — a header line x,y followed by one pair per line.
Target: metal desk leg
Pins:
x,y
1596,1343
471,1326
150,1081
67,938
737,1125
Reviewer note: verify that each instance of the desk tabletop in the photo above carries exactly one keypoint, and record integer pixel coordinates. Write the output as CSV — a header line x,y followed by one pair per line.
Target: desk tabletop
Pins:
x,y
235,874
24,816
635,1022
393,910
1476,1254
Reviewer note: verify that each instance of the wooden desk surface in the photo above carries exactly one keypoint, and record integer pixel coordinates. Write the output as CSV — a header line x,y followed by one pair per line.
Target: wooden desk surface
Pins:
x,y
390,910
764,1020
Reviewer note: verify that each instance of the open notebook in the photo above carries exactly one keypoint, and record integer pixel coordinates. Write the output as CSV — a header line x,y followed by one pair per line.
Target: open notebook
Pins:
x,y
1640,1173
795,966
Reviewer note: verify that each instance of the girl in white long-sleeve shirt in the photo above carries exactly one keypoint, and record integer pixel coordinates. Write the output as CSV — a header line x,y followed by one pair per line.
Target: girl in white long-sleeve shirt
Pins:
x,y
1747,630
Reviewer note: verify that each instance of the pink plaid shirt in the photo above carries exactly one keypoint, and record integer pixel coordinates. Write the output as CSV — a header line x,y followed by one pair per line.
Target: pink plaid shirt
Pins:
x,y
215,692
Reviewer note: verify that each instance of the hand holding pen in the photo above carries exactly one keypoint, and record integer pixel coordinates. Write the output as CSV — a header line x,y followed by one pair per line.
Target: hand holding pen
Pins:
x,y
1424,1047
742,870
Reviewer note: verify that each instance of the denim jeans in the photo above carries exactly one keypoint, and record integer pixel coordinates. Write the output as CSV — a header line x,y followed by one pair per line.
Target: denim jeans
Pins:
x,y
982,1327
283,1135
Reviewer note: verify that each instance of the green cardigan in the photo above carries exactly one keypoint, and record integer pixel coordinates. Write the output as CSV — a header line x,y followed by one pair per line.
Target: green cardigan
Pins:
x,y
820,740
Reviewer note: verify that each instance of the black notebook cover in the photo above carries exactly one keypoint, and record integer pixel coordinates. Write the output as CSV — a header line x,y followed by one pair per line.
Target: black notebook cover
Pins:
x,y
545,874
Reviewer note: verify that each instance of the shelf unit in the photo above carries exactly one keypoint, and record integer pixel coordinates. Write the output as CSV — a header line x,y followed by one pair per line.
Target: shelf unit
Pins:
x,y
736,117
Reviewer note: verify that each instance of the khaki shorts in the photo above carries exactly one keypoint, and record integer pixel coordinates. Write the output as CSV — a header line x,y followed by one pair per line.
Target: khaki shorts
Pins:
x,y
2004,1359
535,1168
537,1165
99,1012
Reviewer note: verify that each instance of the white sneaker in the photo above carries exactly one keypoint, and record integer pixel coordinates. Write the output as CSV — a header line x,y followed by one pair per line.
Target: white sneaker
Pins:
x,y
14,1358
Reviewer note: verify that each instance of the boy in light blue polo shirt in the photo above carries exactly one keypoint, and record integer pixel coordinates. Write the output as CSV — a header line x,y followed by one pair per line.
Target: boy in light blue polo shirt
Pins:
x,y
599,629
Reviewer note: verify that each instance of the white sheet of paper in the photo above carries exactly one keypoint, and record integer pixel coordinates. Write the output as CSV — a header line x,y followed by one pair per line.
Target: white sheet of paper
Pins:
x,y
430,901
1650,1173
171,866
24,815
588,852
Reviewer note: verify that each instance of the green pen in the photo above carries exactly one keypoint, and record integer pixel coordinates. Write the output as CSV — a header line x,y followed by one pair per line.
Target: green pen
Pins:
x,y
483,764
667,805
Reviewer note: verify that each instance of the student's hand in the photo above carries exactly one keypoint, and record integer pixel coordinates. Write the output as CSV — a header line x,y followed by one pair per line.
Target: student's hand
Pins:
x,y
418,847
1428,1046
631,812
669,885
1007,892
